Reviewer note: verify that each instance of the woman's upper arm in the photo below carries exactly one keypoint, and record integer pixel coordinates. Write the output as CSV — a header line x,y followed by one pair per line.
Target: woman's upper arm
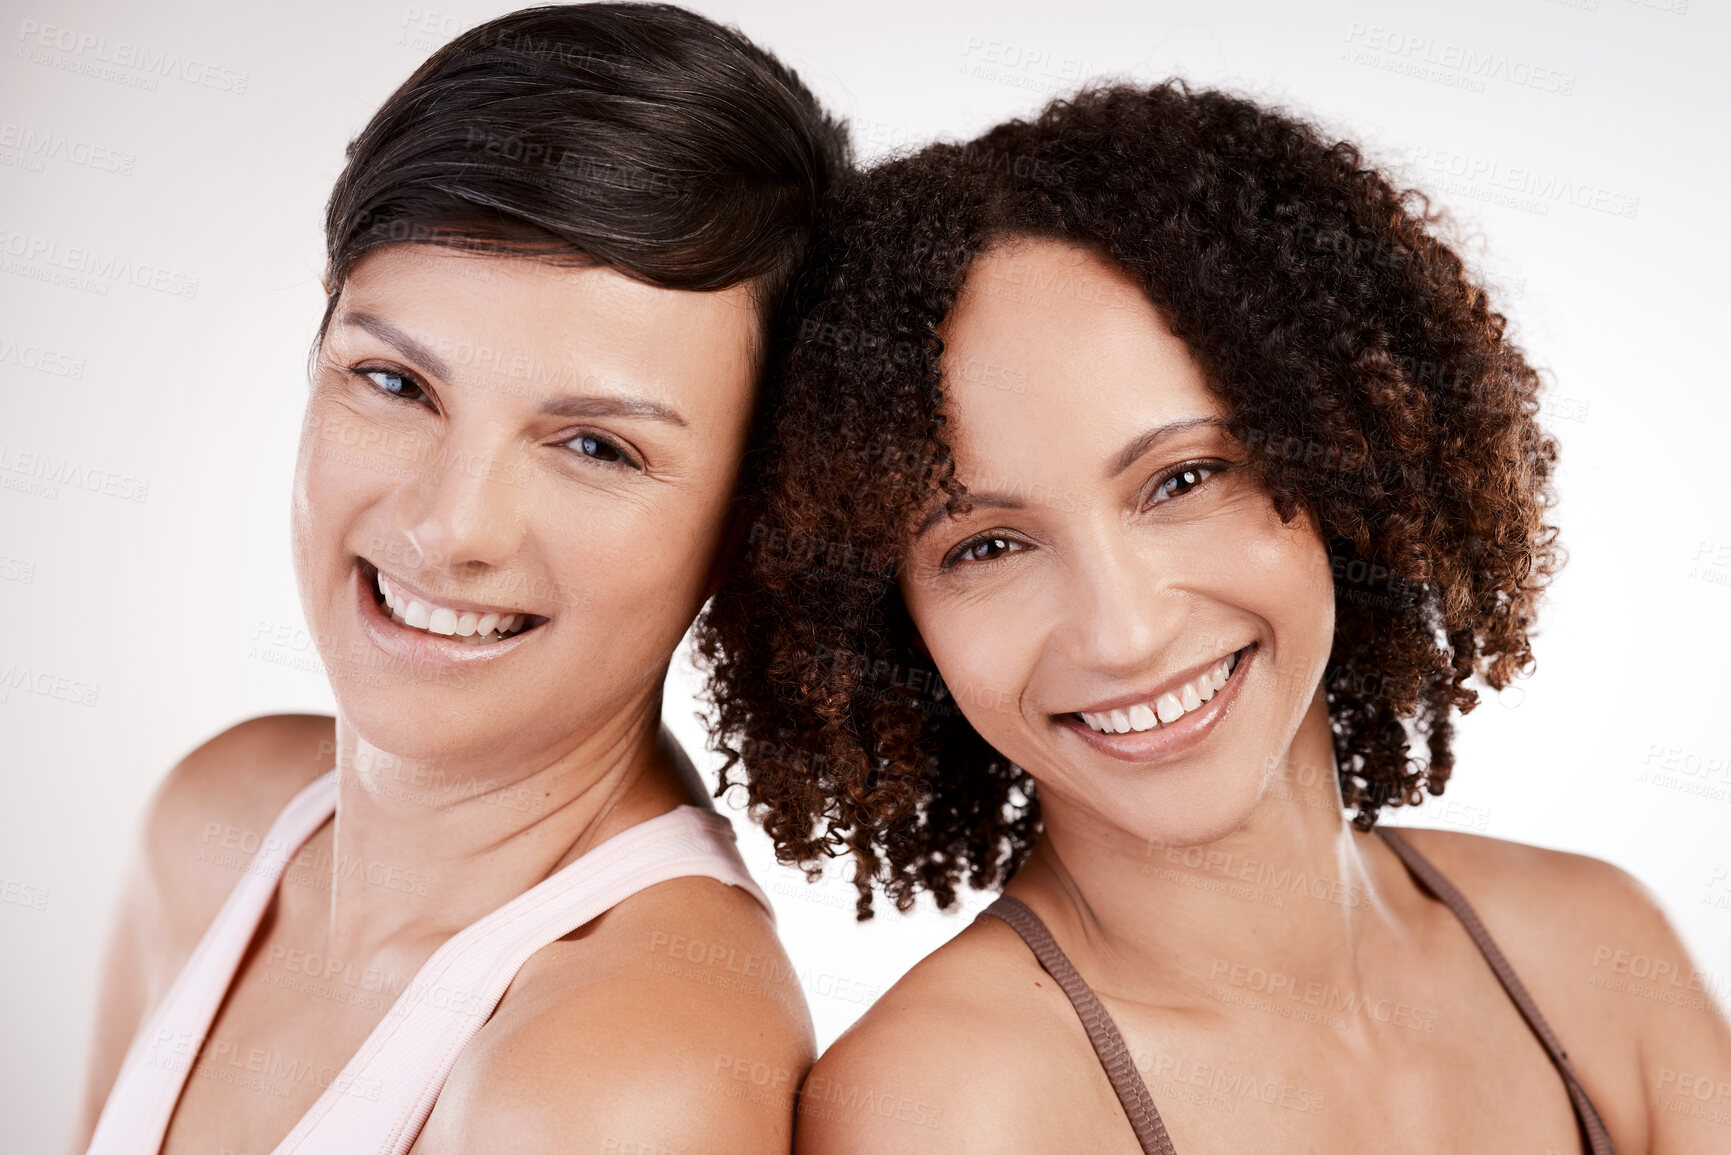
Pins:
x,y
1685,1040
157,898
121,998
650,1066
1641,1010
943,1073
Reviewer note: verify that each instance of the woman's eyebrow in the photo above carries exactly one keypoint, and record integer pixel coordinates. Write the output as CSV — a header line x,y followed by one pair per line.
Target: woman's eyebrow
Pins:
x,y
1127,457
602,405
985,500
398,340
574,405
1133,452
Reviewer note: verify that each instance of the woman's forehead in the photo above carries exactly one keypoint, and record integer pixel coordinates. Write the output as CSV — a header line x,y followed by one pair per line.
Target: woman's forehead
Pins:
x,y
552,327
1051,343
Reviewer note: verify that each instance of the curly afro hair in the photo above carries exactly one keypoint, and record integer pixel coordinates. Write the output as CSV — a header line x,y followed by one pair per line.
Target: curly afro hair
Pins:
x,y
1367,378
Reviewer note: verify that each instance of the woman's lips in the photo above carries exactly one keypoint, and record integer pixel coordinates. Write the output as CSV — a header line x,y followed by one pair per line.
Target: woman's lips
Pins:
x,y
1168,739
419,647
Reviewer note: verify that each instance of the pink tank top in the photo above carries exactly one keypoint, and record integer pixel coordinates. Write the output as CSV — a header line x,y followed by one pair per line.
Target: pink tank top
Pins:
x,y
384,1094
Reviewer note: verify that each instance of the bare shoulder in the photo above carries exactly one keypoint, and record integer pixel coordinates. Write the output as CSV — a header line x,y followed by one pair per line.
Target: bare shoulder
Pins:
x,y
674,1022
1553,906
1636,1014
209,814
975,1049
200,828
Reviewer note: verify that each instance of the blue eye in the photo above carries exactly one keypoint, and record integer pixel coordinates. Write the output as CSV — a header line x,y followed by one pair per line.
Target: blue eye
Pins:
x,y
602,450
394,383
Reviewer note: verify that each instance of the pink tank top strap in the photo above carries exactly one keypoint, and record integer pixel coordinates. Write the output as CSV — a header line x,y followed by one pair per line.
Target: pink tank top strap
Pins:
x,y
1593,1132
156,1066
379,1102
385,1093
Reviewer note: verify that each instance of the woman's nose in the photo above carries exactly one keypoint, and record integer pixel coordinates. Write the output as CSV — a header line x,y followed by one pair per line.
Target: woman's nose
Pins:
x,y
463,507
1119,612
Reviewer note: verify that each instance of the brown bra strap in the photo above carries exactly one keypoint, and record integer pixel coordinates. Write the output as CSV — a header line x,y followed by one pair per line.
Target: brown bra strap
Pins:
x,y
1133,1092
1102,1032
1592,1127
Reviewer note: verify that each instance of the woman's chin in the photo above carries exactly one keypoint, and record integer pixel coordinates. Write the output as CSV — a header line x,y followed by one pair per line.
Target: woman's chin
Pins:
x,y
394,740
1180,814
1195,827
403,723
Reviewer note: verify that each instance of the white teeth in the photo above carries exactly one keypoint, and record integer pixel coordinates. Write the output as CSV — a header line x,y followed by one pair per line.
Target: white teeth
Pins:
x,y
1168,708
467,624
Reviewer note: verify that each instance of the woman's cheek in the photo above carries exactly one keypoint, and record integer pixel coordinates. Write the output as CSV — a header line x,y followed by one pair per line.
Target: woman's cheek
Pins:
x,y
1288,567
979,652
635,574
346,452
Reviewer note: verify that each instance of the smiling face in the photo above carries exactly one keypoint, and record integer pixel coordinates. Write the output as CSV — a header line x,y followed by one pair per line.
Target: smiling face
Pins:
x,y
536,462
1121,612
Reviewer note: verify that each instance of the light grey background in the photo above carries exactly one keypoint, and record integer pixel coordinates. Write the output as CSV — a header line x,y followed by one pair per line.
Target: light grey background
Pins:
x,y
164,168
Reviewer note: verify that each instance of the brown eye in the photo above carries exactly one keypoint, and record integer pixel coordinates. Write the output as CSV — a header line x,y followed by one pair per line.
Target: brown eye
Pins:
x,y
988,547
1182,481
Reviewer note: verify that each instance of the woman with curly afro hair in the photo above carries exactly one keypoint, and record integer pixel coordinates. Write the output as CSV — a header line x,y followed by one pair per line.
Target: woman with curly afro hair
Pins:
x,y
1140,489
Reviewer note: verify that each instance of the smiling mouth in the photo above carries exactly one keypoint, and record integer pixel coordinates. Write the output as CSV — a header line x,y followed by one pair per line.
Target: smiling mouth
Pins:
x,y
471,627
1166,708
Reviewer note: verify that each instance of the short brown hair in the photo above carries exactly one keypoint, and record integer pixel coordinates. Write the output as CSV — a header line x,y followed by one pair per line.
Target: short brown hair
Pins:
x,y
639,136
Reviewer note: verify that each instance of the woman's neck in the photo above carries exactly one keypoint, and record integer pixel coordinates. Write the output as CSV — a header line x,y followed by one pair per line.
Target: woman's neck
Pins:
x,y
422,848
1288,899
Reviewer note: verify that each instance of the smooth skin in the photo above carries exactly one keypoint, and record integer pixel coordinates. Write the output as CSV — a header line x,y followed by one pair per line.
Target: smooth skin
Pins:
x,y
560,441
1281,982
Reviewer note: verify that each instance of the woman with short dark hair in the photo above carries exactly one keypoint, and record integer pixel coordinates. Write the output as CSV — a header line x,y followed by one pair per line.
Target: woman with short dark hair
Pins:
x,y
457,916
1147,483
